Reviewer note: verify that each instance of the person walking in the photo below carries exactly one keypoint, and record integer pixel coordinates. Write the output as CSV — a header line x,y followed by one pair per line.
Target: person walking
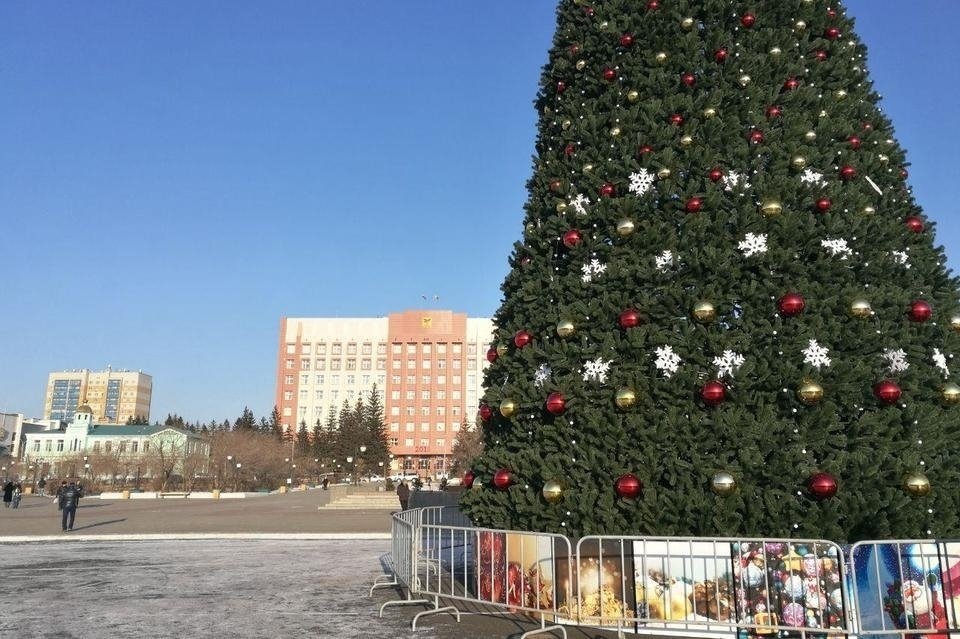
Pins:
x,y
56,498
69,500
42,487
17,494
403,493
7,494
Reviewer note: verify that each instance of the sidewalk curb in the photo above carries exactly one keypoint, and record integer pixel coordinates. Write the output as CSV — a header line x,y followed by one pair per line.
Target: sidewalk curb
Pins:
x,y
11,539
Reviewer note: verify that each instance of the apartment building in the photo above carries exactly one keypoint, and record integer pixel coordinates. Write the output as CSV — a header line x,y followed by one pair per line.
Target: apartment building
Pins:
x,y
427,366
114,396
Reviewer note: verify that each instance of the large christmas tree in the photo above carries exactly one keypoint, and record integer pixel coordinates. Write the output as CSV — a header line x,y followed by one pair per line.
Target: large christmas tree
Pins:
x,y
727,315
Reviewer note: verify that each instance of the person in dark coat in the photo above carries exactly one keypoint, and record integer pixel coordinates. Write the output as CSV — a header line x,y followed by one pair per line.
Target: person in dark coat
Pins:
x,y
7,494
42,486
403,492
63,487
69,500
17,494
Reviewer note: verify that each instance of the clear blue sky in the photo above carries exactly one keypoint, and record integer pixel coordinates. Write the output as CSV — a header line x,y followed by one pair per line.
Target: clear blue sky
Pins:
x,y
176,176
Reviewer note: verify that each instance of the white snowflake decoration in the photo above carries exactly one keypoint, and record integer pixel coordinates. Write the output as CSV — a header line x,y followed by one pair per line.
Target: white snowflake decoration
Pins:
x,y
542,375
728,363
592,269
664,260
812,177
815,355
940,362
579,204
901,257
896,360
753,244
596,370
641,182
734,179
666,361
837,247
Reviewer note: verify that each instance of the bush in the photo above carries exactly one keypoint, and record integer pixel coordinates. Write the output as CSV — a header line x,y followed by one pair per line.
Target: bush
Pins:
x,y
388,484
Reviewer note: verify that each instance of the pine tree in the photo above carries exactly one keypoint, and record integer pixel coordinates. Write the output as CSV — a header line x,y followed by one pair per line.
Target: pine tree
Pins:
x,y
246,421
303,439
275,425
377,441
727,315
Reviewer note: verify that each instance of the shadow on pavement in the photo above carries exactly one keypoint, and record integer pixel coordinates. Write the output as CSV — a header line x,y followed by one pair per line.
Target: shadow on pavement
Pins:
x,y
99,523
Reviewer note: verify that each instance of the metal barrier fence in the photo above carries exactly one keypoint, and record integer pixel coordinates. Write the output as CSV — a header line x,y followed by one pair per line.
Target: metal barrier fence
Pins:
x,y
675,585
906,587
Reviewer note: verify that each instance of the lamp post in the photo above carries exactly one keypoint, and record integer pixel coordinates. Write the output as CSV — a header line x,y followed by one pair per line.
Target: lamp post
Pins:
x,y
236,477
316,462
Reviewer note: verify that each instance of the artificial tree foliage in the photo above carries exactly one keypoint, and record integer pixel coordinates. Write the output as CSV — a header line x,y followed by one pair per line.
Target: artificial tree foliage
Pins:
x,y
727,154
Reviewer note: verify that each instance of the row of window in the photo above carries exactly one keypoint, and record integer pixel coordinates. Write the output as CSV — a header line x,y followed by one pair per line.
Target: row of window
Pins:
x,y
335,379
366,348
75,446
424,427
366,364
439,443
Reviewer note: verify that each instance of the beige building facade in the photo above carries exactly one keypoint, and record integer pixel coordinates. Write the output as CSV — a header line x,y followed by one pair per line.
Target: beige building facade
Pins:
x,y
114,396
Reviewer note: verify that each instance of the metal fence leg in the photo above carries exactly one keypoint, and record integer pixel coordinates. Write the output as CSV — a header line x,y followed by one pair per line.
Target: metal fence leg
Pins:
x,y
543,630
435,610
403,602
378,583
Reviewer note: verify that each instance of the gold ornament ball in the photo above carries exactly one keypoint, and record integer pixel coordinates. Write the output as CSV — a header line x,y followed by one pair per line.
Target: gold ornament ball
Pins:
x,y
950,394
553,491
704,311
566,124
625,398
561,207
663,173
615,131
604,25
823,113
661,57
776,51
687,23
860,308
581,64
916,484
955,323
810,136
530,227
709,112
625,227
841,94
798,162
810,392
508,408
869,210
883,158
686,140
771,208
587,168
565,328
744,80
633,95
799,25
502,349
723,484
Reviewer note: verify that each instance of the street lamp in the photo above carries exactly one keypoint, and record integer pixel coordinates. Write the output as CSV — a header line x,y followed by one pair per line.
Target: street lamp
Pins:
x,y
236,477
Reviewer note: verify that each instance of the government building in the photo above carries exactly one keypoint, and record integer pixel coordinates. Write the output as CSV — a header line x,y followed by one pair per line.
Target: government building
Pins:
x,y
427,366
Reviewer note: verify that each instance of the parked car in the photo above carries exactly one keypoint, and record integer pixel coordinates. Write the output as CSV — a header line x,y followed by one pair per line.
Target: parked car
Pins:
x,y
404,477
374,478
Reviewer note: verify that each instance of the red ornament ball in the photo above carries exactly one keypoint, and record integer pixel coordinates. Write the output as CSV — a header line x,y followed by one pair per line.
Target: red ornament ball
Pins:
x,y
574,50
823,204
847,173
854,142
887,391
693,205
831,13
589,11
791,304
486,412
820,55
756,136
572,238
503,478
643,149
920,311
629,318
628,486
569,150
748,20
626,40
653,5
866,126
561,86
832,33
492,355
609,74
556,403
914,223
774,111
713,393
822,485
791,84
688,79
904,173
715,174
608,190
468,478
676,119
720,55
522,338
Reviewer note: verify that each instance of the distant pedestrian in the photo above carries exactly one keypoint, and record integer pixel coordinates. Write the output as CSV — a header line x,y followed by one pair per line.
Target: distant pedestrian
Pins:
x,y
7,494
403,493
69,500
17,494
63,487
326,481
42,486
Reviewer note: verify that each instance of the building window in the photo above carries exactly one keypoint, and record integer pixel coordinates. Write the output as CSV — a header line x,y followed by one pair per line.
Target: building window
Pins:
x,y
366,348
108,446
291,349
441,411
382,365
394,441
441,427
426,349
351,380
305,349
352,349
47,447
409,426
456,364
396,349
441,364
321,349
423,464
365,365
303,395
441,443
321,364
351,364
394,411
288,395
472,364
455,395
441,394
319,379
455,426
426,380
455,411
395,427
472,348
381,349
411,364
334,364
134,446
304,379
287,411
424,442
411,395
288,379
337,349
425,411
146,447
411,349
441,379
36,446
60,445
96,447
395,379
456,379
425,395
396,364
318,395
424,427
411,411
395,395
457,348
411,380
335,395
408,442
122,448
381,380
289,363
366,380
441,348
